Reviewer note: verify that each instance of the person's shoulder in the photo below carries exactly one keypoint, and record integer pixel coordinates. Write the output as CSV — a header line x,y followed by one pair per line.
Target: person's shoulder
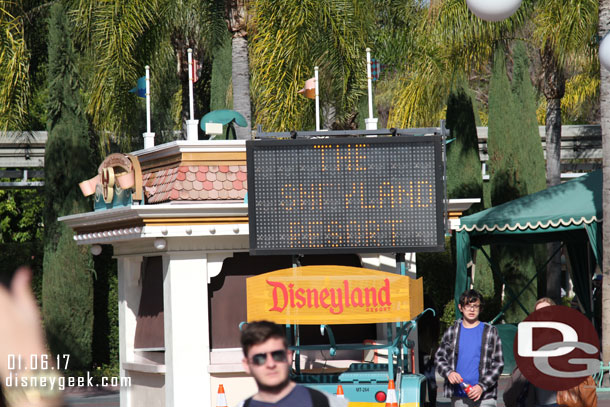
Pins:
x,y
487,325
452,329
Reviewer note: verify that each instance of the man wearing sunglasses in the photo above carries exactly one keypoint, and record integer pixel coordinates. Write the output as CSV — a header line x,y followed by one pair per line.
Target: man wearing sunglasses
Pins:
x,y
268,360
469,357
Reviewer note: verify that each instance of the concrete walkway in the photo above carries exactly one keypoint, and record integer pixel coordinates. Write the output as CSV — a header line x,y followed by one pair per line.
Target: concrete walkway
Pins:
x,y
101,398
92,398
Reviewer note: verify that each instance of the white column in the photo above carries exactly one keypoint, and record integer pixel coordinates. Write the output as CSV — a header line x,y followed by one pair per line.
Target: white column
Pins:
x,y
370,122
187,345
129,301
149,137
315,69
191,124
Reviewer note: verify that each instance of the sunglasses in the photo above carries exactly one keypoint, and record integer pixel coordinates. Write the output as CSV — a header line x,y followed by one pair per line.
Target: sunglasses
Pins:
x,y
261,358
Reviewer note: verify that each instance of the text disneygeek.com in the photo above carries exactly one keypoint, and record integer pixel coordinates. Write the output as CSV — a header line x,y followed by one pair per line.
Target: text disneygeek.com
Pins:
x,y
61,382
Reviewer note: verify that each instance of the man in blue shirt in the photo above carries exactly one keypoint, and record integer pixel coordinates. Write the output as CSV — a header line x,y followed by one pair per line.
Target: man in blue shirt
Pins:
x,y
470,353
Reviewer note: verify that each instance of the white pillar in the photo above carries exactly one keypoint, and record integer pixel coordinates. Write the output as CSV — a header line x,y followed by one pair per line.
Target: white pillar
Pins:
x,y
370,122
190,68
315,69
192,129
129,301
191,124
149,137
187,345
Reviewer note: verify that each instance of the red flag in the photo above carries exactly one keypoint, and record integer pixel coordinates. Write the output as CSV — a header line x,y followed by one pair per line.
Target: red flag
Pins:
x,y
196,70
309,91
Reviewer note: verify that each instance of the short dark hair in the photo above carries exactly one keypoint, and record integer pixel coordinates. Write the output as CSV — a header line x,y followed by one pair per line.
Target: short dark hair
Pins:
x,y
258,332
470,296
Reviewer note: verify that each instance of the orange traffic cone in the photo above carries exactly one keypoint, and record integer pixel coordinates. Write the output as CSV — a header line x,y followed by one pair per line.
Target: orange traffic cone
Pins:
x,y
221,400
340,392
391,400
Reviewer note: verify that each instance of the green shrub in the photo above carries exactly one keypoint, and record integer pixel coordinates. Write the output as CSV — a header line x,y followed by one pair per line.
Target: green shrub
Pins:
x,y
448,317
67,297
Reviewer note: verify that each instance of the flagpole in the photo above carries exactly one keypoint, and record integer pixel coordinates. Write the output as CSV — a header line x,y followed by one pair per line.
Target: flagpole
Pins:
x,y
190,58
371,122
191,125
149,137
317,100
147,99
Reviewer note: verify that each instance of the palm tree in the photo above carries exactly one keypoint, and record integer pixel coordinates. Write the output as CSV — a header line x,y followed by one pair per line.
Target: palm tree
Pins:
x,y
237,21
120,37
563,32
603,29
18,19
448,42
294,36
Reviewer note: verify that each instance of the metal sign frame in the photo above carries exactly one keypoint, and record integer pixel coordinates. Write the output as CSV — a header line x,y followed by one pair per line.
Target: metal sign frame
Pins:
x,y
437,141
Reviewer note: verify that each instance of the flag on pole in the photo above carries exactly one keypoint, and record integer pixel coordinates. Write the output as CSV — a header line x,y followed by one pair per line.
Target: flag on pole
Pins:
x,y
375,69
196,70
309,91
140,89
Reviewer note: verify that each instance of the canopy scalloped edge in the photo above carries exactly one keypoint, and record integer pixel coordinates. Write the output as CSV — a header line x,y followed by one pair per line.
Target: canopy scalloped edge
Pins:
x,y
529,225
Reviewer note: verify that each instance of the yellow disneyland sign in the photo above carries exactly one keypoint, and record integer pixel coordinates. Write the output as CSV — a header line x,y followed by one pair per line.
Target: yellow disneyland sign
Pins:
x,y
333,295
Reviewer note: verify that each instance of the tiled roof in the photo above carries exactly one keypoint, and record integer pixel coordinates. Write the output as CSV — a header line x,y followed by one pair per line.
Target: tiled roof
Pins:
x,y
196,183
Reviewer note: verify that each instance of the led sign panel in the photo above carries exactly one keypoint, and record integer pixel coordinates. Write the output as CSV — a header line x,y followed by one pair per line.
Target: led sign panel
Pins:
x,y
347,195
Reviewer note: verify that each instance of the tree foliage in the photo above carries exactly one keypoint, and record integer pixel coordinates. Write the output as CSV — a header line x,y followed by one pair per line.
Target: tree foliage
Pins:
x,y
22,39
531,164
67,298
68,144
464,178
516,167
448,42
221,94
20,215
293,37
121,37
67,277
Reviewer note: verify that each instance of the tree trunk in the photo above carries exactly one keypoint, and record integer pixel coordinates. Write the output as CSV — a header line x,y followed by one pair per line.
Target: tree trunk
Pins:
x,y
554,89
553,142
180,45
553,177
603,28
241,84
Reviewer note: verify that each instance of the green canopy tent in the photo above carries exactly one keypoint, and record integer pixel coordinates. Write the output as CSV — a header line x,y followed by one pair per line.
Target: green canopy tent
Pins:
x,y
570,213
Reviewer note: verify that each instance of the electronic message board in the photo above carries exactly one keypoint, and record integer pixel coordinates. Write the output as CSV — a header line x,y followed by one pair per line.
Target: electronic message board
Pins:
x,y
347,195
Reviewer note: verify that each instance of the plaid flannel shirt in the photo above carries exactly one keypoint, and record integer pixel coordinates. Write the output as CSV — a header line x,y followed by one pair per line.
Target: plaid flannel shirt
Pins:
x,y
490,365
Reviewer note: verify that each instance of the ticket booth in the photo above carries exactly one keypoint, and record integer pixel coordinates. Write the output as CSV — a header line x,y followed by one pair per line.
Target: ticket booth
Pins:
x,y
177,218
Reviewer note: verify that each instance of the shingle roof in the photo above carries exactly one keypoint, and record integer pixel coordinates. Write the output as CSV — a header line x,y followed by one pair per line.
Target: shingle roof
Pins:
x,y
196,183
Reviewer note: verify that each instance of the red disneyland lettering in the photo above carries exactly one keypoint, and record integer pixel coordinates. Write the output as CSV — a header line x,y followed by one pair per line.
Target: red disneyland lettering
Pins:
x,y
329,298
278,286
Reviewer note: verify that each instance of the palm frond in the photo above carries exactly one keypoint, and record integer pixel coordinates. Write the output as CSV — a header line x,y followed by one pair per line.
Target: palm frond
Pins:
x,y
14,67
291,38
569,27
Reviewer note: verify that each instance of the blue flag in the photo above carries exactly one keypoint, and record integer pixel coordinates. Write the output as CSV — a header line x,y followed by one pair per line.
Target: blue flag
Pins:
x,y
140,89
